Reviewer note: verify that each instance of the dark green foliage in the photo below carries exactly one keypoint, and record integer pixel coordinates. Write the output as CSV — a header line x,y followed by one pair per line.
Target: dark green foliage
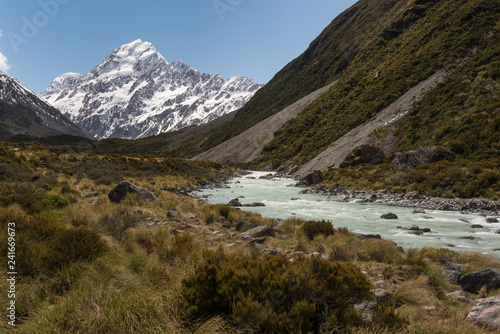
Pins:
x,y
24,195
44,246
461,113
313,228
274,295
460,179
56,201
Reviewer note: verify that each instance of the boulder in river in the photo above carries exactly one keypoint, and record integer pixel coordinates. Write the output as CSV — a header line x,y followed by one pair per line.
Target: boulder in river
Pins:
x,y
389,216
122,189
234,202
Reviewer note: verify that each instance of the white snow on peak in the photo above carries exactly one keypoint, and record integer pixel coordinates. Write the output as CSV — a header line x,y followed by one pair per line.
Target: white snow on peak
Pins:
x,y
136,93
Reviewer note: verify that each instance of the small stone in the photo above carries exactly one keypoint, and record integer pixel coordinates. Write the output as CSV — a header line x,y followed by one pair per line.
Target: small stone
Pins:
x,y
389,216
380,293
477,226
381,284
412,228
172,214
491,220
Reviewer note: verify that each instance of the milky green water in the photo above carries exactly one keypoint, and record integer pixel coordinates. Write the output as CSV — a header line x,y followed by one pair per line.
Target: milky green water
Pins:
x,y
448,229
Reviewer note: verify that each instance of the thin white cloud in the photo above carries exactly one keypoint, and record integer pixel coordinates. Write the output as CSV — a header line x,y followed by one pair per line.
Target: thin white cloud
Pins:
x,y
4,63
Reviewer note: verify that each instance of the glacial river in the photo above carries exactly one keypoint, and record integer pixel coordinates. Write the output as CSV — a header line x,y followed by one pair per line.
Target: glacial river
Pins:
x,y
448,229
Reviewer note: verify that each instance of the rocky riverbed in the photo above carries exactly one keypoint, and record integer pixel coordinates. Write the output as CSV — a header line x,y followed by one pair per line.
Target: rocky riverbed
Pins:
x,y
412,199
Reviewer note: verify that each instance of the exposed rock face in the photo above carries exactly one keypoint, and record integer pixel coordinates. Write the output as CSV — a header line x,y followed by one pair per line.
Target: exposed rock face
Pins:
x,y
473,282
364,155
315,177
486,313
118,193
421,156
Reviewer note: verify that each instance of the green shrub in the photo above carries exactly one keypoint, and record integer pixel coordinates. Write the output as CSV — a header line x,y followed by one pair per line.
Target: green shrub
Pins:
x,y
56,201
223,209
314,228
47,186
24,195
272,294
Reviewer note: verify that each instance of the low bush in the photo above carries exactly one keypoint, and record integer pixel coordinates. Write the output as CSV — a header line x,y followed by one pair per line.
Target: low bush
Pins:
x,y
44,246
56,201
115,223
272,294
223,209
314,228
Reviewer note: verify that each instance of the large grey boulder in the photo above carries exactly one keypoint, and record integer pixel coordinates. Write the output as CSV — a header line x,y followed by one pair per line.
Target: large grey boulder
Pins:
x,y
488,278
421,156
486,313
122,189
315,177
364,155
260,231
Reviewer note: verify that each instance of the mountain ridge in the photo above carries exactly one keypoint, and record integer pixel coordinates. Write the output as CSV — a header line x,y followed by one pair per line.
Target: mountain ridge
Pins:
x,y
136,93
22,112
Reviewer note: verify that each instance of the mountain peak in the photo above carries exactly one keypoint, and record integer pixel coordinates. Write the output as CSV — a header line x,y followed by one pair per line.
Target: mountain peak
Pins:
x,y
136,48
135,93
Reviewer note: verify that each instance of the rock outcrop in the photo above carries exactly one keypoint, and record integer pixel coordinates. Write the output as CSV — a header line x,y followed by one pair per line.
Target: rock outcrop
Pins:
x,y
475,281
118,193
421,156
486,313
313,178
364,155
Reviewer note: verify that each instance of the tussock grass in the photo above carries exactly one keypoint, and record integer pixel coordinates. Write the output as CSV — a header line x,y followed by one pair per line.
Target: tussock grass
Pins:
x,y
134,283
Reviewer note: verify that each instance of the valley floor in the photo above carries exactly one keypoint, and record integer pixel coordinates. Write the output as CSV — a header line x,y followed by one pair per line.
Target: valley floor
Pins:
x,y
180,265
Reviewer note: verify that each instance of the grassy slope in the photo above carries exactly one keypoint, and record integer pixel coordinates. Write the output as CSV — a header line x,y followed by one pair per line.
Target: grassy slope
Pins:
x,y
426,36
96,267
326,57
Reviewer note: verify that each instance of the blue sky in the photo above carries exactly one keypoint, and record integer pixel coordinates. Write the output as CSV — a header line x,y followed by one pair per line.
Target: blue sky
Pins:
x,y
41,39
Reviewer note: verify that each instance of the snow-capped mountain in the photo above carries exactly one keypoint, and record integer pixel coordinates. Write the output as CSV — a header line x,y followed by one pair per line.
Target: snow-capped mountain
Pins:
x,y
22,112
136,93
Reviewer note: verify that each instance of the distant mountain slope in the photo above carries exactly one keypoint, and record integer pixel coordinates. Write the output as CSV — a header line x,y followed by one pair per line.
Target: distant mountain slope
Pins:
x,y
136,93
327,56
248,145
22,112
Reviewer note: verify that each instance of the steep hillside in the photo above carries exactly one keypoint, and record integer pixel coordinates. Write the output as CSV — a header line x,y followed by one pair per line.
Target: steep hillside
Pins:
x,y
461,113
136,93
248,145
22,112
327,56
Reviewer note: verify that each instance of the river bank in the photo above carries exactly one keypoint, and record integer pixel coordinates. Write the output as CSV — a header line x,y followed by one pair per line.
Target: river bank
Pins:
x,y
411,200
